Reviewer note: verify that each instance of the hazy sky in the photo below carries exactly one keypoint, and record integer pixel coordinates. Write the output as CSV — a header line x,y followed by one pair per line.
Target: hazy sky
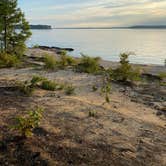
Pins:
x,y
94,13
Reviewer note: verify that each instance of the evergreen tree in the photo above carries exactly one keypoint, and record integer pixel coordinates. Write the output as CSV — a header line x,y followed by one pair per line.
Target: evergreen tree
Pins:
x,y
12,40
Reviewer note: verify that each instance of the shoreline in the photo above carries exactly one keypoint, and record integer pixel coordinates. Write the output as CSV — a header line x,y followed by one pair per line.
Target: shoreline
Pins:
x,y
152,69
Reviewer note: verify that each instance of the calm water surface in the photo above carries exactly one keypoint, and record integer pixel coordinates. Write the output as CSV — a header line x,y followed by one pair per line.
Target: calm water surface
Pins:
x,y
148,45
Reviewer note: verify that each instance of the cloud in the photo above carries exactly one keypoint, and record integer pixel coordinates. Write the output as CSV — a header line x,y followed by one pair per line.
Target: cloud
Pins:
x,y
100,13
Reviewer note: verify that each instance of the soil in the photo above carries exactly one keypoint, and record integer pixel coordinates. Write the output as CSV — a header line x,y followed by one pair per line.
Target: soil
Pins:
x,y
128,131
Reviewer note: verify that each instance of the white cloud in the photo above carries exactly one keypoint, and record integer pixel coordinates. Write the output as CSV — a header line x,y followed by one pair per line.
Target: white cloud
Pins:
x,y
102,13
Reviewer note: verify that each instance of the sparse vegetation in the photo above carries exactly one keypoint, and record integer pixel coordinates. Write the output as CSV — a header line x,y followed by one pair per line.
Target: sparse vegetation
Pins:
x,y
69,89
50,62
66,60
49,85
94,88
7,60
92,113
125,71
88,64
26,124
106,87
26,88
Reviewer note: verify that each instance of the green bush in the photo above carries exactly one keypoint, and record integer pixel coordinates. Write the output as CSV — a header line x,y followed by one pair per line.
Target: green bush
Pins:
x,y
7,60
26,124
66,60
88,65
26,88
36,79
49,85
125,72
50,62
69,89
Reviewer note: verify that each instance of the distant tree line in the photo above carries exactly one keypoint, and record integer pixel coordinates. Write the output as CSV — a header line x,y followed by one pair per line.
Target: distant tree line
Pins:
x,y
36,27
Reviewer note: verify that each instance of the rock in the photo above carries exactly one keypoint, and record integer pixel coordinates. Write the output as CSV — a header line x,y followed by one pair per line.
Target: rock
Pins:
x,y
55,48
158,113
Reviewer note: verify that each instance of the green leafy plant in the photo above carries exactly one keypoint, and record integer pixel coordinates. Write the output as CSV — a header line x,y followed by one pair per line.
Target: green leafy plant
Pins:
x,y
92,113
26,88
26,124
50,62
125,71
36,79
7,60
49,85
88,64
106,87
69,89
66,60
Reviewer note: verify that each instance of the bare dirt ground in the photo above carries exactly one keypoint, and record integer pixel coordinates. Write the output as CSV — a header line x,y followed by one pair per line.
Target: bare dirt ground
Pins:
x,y
125,132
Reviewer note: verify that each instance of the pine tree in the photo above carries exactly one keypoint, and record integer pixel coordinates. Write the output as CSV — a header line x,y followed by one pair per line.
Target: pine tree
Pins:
x,y
12,40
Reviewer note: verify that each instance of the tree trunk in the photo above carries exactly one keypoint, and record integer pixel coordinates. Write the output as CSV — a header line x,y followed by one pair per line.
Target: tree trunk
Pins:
x,y
5,34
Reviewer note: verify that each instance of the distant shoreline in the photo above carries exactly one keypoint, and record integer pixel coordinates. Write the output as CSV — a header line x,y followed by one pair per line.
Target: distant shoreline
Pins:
x,y
131,27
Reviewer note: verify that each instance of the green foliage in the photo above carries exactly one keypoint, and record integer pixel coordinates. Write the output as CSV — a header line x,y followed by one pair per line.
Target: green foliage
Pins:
x,y
12,41
92,113
106,87
26,124
66,60
162,75
125,72
49,85
36,79
50,62
7,60
26,88
35,46
94,88
69,89
88,65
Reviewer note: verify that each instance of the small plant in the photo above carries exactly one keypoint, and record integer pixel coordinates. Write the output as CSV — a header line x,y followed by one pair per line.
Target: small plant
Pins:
x,y
7,60
162,76
88,64
92,113
35,46
94,88
66,60
106,87
49,85
26,88
36,79
125,72
69,89
50,62
26,124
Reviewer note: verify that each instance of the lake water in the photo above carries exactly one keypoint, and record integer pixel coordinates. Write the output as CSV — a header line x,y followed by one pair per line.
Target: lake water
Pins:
x,y
149,45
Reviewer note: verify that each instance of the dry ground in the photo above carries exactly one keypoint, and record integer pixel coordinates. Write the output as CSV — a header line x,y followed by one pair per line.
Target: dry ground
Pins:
x,y
125,132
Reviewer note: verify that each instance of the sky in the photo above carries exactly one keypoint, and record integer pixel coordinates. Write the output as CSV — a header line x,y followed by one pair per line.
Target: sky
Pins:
x,y
94,13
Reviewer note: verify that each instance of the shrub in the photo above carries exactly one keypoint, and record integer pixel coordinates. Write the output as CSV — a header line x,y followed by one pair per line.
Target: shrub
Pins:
x,y
26,124
94,88
88,65
49,85
50,62
36,79
35,46
26,88
162,75
92,113
66,60
7,60
125,72
69,89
